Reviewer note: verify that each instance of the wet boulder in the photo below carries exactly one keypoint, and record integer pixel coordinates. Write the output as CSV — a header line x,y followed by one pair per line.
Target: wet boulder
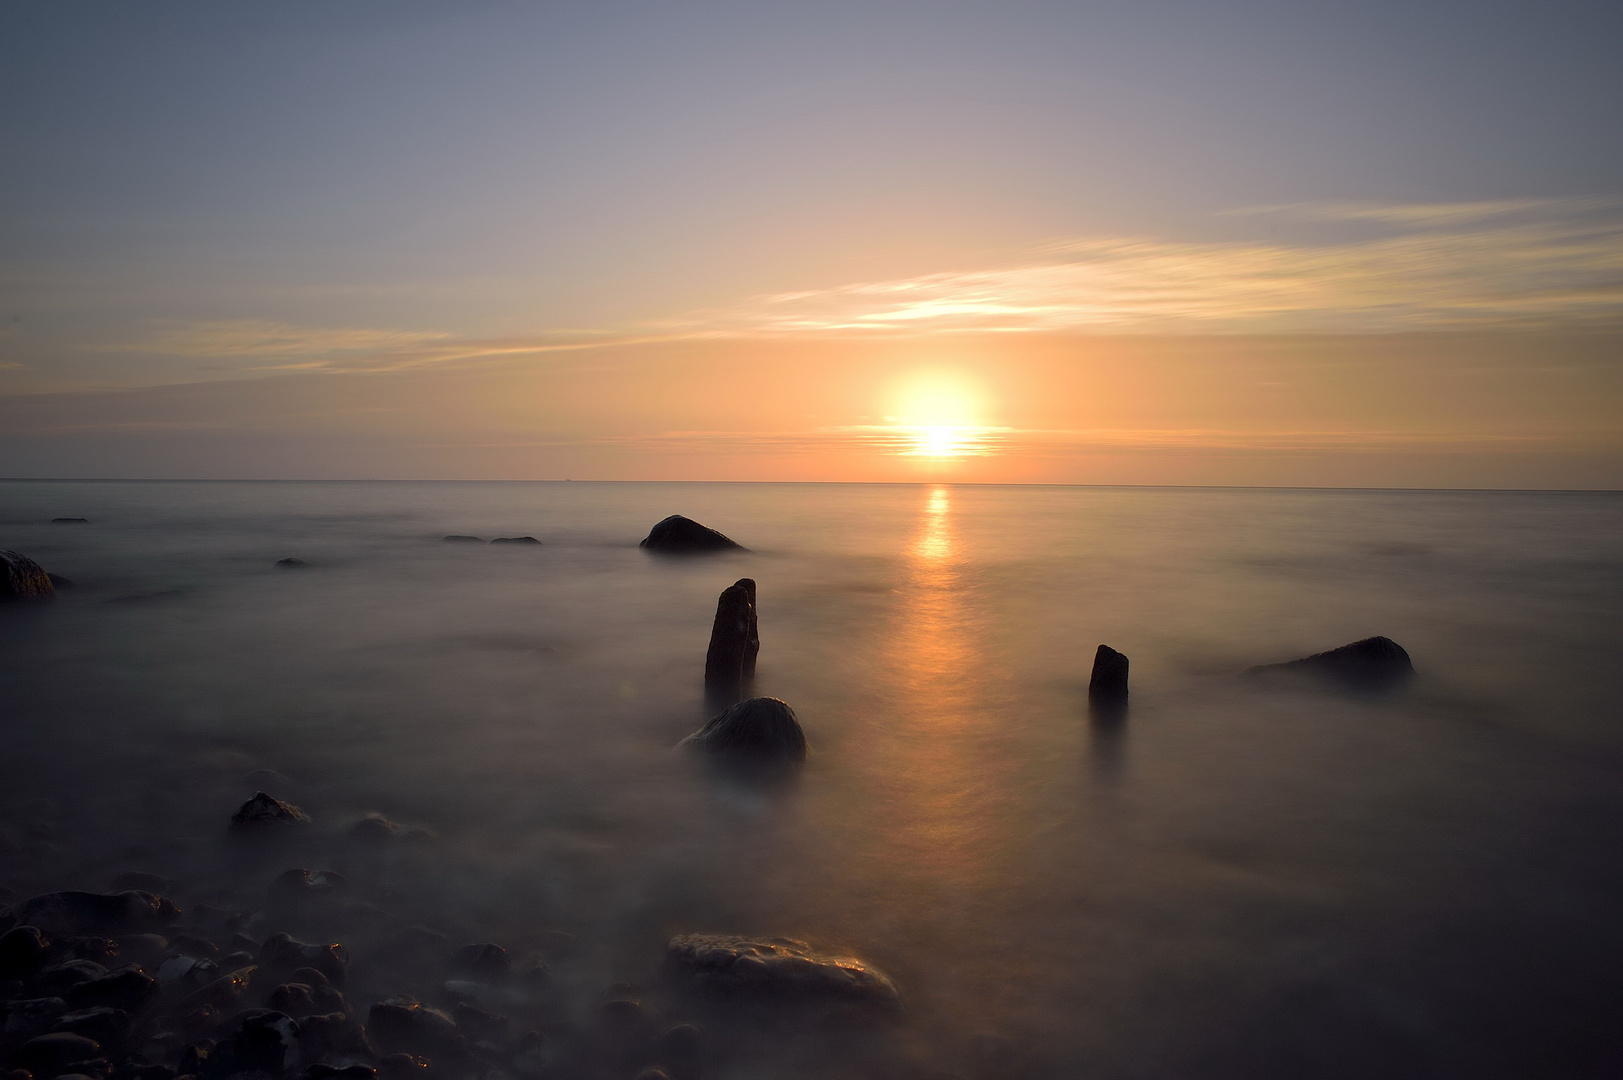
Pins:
x,y
291,564
377,829
27,1017
460,538
729,662
1373,664
778,968
516,540
680,535
133,911
267,812
263,1041
21,578
761,728
281,953
108,1026
50,1055
129,990
406,1025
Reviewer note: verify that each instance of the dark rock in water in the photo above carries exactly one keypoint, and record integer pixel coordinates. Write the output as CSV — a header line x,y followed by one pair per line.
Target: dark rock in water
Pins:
x,y
458,538
50,1055
60,978
264,1041
108,1026
1373,664
224,995
129,912
1107,687
729,662
299,883
291,564
21,578
334,1033
27,1017
22,952
61,582
129,990
282,953
70,521
679,534
377,829
266,811
476,1025
763,728
780,968
482,960
516,540
404,1024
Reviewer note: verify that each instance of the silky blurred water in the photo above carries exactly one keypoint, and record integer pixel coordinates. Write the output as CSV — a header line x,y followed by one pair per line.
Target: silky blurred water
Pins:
x,y
1239,881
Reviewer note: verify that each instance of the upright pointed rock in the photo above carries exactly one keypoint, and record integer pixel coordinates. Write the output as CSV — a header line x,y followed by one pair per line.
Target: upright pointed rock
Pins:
x,y
729,655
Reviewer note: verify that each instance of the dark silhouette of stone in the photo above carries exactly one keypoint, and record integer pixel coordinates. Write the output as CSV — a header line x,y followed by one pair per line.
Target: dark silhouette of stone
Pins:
x,y
780,968
49,1055
377,829
1107,687
763,728
27,1017
74,912
1373,664
21,578
22,952
128,990
281,954
406,1025
108,1026
291,564
516,540
265,811
729,663
70,521
680,535
263,1042
458,538
482,960
752,644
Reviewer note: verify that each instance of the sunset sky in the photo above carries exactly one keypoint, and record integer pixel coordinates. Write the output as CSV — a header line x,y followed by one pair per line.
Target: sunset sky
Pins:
x,y
1371,244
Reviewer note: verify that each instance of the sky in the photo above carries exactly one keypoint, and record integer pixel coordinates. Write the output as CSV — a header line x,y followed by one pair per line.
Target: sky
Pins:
x,y
1296,243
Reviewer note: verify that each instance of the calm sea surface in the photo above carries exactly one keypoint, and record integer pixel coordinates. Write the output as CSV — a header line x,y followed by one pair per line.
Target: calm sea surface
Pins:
x,y
1240,881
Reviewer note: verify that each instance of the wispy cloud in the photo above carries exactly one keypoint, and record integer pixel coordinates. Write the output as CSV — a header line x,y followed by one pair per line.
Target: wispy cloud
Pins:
x,y
1440,266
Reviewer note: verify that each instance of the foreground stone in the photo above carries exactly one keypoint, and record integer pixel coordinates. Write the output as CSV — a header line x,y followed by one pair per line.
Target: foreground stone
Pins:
x,y
131,912
763,728
682,535
21,578
1376,663
267,811
781,968
1107,688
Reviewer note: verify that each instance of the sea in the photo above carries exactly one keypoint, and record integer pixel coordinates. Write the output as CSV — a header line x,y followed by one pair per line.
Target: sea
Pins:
x,y
1239,878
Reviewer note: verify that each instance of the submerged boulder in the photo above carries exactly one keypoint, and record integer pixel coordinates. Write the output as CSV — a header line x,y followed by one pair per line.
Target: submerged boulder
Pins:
x,y
130,912
267,811
1107,688
679,534
762,727
291,564
21,578
459,538
780,968
1376,663
516,540
70,521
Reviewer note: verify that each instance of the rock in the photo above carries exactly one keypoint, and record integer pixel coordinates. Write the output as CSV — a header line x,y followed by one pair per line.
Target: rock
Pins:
x,y
476,1025
129,990
265,811
225,994
264,1041
377,829
482,960
60,978
678,534
27,1017
142,948
22,952
50,1055
457,538
729,656
282,953
299,883
1373,664
516,540
21,578
763,728
108,1026
291,564
1107,687
681,1050
326,1034
133,911
70,521
404,1024
776,967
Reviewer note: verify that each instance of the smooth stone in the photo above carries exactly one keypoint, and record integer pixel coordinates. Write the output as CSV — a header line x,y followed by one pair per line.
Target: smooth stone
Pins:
x,y
27,1017
776,967
458,538
267,811
104,1024
46,1055
264,1041
761,727
516,540
1375,663
729,655
21,578
132,911
377,829
1107,686
130,990
404,1024
680,534
281,952
291,564
70,521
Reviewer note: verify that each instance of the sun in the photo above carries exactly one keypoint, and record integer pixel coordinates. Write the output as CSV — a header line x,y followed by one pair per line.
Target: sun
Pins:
x,y
939,415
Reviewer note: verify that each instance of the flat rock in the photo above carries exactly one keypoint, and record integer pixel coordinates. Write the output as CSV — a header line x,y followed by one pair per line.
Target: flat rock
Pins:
x,y
763,727
678,534
266,811
459,538
21,578
781,968
291,564
516,540
130,912
45,1055
1376,663
70,521
404,1024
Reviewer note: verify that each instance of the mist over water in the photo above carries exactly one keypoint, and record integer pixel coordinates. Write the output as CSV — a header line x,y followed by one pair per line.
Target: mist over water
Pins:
x,y
1237,881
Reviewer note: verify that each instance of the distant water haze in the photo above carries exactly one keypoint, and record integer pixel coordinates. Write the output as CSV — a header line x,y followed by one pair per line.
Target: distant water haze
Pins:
x,y
1238,880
